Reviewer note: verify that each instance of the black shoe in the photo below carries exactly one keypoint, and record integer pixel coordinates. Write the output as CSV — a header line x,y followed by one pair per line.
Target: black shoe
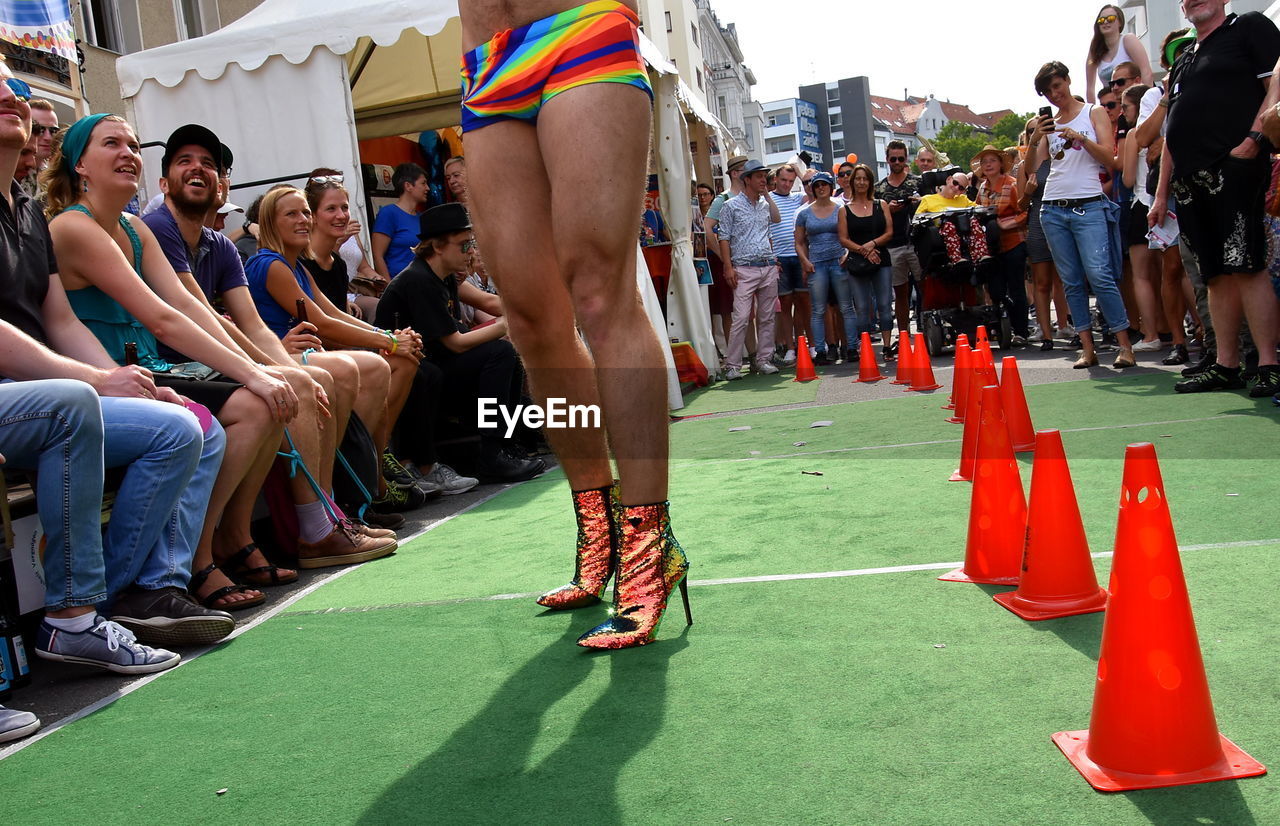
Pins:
x,y
1075,344
1177,356
851,356
398,499
822,359
498,466
1268,382
1046,344
1216,377
170,616
1206,361
390,521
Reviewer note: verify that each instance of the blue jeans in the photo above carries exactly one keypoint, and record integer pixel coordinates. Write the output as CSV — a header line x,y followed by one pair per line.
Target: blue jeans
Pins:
x,y
825,275
1083,243
55,428
160,507
881,283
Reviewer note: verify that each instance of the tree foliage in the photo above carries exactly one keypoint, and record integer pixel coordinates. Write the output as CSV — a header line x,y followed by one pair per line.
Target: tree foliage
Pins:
x,y
961,142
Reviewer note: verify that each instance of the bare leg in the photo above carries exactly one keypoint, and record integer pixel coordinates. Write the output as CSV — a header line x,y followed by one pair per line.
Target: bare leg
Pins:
x,y
1060,307
902,306
1224,306
248,424
346,386
1260,310
786,331
1144,290
1042,276
801,308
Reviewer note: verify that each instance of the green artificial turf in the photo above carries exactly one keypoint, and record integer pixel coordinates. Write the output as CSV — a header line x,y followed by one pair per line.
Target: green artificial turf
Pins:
x,y
869,508
751,391
888,699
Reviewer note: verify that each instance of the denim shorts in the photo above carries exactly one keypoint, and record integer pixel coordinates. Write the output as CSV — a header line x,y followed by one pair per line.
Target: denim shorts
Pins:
x,y
790,275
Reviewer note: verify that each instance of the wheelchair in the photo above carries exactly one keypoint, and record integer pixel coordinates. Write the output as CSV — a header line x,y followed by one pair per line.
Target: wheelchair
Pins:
x,y
949,299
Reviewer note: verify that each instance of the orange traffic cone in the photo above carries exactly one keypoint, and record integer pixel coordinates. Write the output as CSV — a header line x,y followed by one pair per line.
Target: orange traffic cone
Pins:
x,y
867,369
978,379
804,362
997,509
1152,723
984,350
1014,400
1057,571
960,381
921,368
906,359
980,337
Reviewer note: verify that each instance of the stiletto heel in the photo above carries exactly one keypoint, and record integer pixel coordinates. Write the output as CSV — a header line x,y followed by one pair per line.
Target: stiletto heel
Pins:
x,y
684,595
650,564
597,516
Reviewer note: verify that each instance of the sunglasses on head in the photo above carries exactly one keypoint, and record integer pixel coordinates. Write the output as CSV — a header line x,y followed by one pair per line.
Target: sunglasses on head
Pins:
x,y
19,88
324,179
1108,18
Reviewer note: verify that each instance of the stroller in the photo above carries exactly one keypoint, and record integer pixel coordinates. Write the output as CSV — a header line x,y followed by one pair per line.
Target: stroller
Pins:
x,y
950,291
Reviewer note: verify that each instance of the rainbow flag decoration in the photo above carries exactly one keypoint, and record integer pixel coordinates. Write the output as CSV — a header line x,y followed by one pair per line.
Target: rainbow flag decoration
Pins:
x,y
39,24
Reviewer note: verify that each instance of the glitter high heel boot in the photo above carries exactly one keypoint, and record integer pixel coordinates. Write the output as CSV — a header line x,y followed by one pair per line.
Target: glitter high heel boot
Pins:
x,y
593,564
650,565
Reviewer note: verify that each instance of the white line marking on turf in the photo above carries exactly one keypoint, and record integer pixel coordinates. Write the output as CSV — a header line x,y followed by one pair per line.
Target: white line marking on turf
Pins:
x,y
274,611
703,462
697,583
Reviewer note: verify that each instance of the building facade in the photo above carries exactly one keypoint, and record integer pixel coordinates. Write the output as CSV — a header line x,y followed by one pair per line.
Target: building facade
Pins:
x,y
1151,21
791,127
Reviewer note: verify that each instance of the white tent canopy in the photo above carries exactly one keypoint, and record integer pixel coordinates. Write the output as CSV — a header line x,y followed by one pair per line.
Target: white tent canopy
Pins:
x,y
294,84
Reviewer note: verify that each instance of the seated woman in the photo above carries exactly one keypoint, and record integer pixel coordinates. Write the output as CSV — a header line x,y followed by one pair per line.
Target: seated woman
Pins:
x,y
331,210
278,281
122,287
952,196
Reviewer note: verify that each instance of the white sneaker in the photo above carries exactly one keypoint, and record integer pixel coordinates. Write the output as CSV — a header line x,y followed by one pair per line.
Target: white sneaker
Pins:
x,y
14,724
1154,346
766,368
789,359
734,373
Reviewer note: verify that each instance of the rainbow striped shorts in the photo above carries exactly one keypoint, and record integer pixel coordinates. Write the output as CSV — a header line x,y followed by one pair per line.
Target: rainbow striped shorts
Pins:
x,y
513,75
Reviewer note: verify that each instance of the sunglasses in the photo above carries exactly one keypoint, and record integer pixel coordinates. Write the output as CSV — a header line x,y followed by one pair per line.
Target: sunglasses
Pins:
x,y
1109,18
19,88
1121,81
39,129
1111,104
468,246
324,179
895,159
844,174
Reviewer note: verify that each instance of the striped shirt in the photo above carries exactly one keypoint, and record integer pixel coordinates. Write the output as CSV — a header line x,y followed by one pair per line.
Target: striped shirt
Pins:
x,y
783,234
745,225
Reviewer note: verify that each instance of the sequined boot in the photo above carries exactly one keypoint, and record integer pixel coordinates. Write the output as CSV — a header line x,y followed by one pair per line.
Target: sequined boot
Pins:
x,y
650,565
597,518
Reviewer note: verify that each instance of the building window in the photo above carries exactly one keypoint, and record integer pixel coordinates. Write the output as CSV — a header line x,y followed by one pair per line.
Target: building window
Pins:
x,y
695,33
837,146
102,25
782,118
190,21
837,121
698,72
723,106
833,95
668,16
786,143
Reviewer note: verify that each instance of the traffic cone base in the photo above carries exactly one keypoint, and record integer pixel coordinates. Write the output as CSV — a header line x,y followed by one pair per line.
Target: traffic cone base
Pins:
x,y
1235,763
804,362
921,368
958,575
1042,609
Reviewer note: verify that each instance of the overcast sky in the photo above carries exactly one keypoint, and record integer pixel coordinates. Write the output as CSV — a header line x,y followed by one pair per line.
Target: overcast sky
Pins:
x,y
906,44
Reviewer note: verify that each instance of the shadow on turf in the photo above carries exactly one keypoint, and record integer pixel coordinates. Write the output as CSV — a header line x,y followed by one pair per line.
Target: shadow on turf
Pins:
x,y
1082,632
1219,802
482,773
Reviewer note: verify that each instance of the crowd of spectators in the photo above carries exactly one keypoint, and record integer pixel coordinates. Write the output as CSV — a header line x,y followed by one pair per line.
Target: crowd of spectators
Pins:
x,y
194,361
1148,214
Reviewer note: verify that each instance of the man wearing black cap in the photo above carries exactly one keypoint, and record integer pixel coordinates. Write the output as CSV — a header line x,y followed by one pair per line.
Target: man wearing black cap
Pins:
x,y
477,364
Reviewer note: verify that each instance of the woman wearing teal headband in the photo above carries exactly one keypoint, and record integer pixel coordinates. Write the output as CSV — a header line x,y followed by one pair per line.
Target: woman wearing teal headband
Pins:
x,y
121,285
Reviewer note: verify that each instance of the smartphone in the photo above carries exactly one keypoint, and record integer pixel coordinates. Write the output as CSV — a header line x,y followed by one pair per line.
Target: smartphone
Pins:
x,y
1046,111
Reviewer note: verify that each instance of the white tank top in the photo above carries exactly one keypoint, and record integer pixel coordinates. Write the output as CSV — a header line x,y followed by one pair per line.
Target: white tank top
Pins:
x,y
1106,67
1076,173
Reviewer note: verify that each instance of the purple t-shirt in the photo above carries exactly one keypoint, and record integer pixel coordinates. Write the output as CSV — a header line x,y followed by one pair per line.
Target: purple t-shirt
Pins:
x,y
216,267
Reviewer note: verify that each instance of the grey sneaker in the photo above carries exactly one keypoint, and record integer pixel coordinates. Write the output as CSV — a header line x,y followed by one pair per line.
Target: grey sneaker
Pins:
x,y
449,481
105,645
14,724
